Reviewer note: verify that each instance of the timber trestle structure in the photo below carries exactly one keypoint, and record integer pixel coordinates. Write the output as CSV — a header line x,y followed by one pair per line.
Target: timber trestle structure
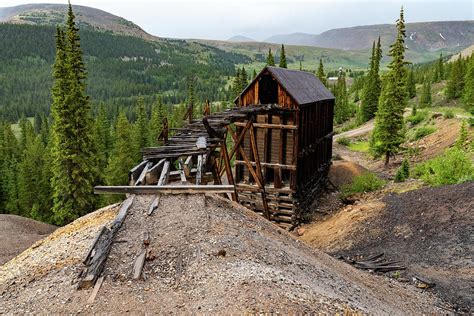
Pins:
x,y
198,159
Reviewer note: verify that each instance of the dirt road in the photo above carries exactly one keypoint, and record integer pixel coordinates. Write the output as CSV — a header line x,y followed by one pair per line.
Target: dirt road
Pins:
x,y
361,130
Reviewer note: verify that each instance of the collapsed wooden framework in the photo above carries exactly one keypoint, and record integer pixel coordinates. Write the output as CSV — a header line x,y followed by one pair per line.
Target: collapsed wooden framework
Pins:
x,y
278,137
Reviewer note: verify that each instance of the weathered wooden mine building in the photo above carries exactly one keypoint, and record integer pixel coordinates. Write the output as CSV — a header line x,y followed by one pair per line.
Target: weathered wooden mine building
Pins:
x,y
294,141
281,127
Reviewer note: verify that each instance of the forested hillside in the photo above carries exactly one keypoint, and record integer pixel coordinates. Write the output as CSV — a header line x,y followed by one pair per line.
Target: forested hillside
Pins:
x,y
120,68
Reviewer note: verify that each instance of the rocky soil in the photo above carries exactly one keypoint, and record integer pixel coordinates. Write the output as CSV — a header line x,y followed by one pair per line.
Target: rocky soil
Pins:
x,y
206,255
428,230
18,233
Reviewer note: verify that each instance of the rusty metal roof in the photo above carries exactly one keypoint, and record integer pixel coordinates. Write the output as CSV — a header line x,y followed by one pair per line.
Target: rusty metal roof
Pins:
x,y
304,87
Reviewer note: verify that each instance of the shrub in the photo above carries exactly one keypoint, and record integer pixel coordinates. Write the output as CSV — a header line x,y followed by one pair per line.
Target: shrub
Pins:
x,y
418,117
343,141
403,172
421,132
366,182
449,114
451,167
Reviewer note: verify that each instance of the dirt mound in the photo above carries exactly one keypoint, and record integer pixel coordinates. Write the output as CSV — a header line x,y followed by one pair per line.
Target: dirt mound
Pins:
x,y
343,172
428,230
18,233
207,255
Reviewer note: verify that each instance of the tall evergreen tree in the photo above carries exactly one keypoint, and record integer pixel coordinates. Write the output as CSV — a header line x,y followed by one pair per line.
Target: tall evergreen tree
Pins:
x,y
321,74
455,84
243,79
270,59
254,74
282,57
140,129
389,125
73,153
102,139
425,98
468,94
237,84
156,121
440,67
341,109
411,86
121,159
373,85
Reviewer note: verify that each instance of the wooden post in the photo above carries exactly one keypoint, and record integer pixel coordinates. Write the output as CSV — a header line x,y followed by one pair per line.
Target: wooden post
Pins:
x,y
259,171
228,169
164,132
207,108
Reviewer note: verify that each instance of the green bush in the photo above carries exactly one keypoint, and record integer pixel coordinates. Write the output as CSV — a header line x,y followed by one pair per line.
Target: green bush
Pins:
x,y
366,182
449,114
418,117
421,132
403,172
343,141
451,167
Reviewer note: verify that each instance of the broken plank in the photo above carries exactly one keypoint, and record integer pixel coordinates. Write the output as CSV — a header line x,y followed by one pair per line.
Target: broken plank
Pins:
x,y
139,263
154,205
165,173
96,289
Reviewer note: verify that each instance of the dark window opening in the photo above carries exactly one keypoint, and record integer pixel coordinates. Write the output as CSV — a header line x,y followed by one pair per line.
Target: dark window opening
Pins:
x,y
268,90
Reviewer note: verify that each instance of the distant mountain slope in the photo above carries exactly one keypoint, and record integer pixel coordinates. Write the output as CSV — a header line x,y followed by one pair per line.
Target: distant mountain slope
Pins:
x,y
425,36
240,38
53,14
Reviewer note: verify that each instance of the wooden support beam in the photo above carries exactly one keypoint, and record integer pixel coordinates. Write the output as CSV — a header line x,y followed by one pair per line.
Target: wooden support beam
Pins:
x,y
154,172
228,170
199,170
135,172
267,125
164,189
181,171
165,173
142,177
267,164
188,165
253,142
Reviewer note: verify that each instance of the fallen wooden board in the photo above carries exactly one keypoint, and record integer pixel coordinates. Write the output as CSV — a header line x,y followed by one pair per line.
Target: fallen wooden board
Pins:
x,y
139,263
96,289
164,189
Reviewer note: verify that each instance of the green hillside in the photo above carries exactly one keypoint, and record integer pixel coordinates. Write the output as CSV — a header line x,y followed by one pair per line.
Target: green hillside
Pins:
x,y
120,69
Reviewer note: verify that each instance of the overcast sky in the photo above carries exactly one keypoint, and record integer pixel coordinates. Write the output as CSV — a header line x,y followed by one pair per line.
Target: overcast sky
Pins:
x,y
259,19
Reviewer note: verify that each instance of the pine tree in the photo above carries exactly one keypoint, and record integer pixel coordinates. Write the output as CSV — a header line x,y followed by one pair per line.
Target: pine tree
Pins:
x,y
156,121
425,98
389,123
461,142
243,79
10,156
237,84
102,139
321,74
301,66
140,129
270,60
254,75
455,84
73,153
341,108
440,67
121,159
411,86
282,57
468,93
373,85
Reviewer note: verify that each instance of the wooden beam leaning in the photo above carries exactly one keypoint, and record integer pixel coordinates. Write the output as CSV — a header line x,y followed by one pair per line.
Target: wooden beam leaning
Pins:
x,y
165,173
142,177
253,142
182,174
228,170
164,189
267,164
96,257
199,170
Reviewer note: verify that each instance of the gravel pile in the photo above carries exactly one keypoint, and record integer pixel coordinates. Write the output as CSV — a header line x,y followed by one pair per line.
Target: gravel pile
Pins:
x,y
206,255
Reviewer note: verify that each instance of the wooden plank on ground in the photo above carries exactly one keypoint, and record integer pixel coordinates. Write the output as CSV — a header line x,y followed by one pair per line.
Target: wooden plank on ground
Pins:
x,y
154,205
96,289
138,266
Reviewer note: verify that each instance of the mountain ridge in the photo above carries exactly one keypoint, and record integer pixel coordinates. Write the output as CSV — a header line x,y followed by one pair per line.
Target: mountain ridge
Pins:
x,y
428,36
53,14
